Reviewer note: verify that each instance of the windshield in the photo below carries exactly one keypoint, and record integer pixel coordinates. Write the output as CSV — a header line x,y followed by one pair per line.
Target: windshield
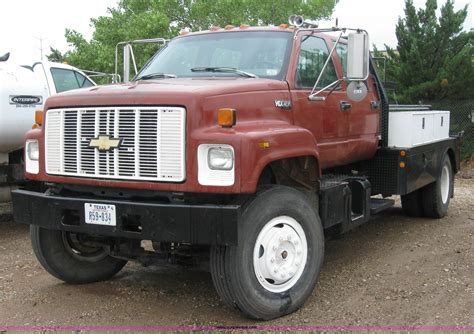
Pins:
x,y
260,53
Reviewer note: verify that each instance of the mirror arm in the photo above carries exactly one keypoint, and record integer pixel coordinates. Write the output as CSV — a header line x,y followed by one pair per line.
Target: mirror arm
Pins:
x,y
137,41
133,59
315,97
335,86
312,94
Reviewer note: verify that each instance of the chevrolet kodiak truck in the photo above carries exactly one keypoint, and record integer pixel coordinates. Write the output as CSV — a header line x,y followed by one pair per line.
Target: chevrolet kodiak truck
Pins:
x,y
239,148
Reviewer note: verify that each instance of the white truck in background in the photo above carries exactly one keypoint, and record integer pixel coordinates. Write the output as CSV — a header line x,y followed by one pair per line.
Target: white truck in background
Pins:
x,y
23,90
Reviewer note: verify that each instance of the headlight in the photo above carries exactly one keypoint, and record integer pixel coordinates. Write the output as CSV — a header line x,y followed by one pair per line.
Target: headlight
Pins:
x,y
32,156
220,158
32,147
216,165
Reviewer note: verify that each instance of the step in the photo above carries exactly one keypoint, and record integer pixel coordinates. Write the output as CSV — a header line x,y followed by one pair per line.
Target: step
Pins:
x,y
377,205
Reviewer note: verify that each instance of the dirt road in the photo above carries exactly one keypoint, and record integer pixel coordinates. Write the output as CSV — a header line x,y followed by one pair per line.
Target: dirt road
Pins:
x,y
394,270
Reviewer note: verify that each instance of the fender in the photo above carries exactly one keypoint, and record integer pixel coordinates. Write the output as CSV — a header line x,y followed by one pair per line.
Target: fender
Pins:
x,y
284,141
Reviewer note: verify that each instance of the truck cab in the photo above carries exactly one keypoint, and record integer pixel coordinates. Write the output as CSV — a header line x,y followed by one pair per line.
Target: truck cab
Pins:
x,y
57,77
23,90
234,149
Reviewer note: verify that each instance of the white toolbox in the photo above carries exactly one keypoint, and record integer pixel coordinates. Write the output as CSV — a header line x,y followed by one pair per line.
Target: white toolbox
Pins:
x,y
407,129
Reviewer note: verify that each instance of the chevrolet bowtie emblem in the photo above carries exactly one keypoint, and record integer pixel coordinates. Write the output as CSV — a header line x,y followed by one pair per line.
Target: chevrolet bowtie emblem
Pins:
x,y
105,143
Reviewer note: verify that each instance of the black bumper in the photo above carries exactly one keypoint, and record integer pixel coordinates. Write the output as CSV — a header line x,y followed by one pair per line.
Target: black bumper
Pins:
x,y
184,223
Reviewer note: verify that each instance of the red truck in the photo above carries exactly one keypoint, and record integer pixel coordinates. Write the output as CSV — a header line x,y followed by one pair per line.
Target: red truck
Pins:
x,y
237,148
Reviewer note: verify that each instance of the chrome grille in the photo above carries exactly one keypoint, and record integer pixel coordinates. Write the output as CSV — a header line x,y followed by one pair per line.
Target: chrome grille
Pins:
x,y
152,143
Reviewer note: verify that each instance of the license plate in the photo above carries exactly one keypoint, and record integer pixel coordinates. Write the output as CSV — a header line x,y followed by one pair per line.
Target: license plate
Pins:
x,y
100,214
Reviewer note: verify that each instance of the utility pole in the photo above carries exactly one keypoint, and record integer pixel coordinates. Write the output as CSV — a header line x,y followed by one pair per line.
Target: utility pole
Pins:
x,y
41,39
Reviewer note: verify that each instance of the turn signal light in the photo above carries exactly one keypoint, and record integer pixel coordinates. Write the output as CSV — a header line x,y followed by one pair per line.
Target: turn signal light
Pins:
x,y
264,145
226,117
39,117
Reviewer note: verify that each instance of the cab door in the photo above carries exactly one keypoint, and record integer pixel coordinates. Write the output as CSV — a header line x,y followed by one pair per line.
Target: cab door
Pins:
x,y
326,119
363,117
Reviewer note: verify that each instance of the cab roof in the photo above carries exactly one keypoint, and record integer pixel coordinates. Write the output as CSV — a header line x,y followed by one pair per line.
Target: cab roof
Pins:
x,y
242,27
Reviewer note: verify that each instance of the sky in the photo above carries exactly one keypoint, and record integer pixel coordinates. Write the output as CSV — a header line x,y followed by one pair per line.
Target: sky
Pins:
x,y
24,22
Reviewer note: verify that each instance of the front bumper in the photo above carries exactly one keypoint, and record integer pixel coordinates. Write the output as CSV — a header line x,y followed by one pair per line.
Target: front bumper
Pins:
x,y
200,224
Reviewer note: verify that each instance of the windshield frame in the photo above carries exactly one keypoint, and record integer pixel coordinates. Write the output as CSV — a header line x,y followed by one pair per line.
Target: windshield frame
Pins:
x,y
284,67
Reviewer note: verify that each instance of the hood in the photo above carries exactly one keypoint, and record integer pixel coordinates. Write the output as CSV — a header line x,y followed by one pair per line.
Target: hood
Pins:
x,y
175,91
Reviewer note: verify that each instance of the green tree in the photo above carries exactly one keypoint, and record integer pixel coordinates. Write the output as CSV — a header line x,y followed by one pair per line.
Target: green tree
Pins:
x,y
137,19
432,60
55,55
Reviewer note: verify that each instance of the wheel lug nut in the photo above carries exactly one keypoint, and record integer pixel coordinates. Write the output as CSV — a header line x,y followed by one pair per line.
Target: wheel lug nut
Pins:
x,y
272,260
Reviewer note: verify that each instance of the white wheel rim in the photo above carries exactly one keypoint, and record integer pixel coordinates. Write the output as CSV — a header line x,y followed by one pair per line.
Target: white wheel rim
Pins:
x,y
280,254
445,180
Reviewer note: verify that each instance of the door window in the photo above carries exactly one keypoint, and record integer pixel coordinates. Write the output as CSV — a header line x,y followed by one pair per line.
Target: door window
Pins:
x,y
313,55
65,79
341,50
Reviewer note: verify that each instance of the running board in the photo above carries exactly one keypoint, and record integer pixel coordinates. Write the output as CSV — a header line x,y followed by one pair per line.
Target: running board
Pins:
x,y
345,201
377,205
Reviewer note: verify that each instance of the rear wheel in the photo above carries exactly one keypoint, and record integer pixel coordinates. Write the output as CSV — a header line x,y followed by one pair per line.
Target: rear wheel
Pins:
x,y
275,266
436,196
71,258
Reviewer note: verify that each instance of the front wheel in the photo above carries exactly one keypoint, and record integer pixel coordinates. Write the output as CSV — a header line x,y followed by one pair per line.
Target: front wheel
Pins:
x,y
275,266
71,258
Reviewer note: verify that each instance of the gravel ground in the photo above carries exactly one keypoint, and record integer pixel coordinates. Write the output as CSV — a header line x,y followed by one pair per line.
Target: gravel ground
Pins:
x,y
394,270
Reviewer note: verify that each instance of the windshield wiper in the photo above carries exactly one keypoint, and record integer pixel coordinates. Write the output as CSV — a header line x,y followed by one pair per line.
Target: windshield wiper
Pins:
x,y
155,76
224,70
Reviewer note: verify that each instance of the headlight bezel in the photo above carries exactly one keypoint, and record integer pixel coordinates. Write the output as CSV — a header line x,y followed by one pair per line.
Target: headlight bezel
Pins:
x,y
208,176
32,156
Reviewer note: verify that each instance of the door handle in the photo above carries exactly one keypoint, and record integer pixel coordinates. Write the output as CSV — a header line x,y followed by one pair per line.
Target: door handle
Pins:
x,y
345,105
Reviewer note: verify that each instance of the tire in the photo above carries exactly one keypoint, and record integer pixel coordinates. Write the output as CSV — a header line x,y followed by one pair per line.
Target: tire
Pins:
x,y
412,203
279,224
64,257
436,195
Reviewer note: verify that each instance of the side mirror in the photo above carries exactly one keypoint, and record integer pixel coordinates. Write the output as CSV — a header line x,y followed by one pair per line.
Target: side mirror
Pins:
x,y
358,56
